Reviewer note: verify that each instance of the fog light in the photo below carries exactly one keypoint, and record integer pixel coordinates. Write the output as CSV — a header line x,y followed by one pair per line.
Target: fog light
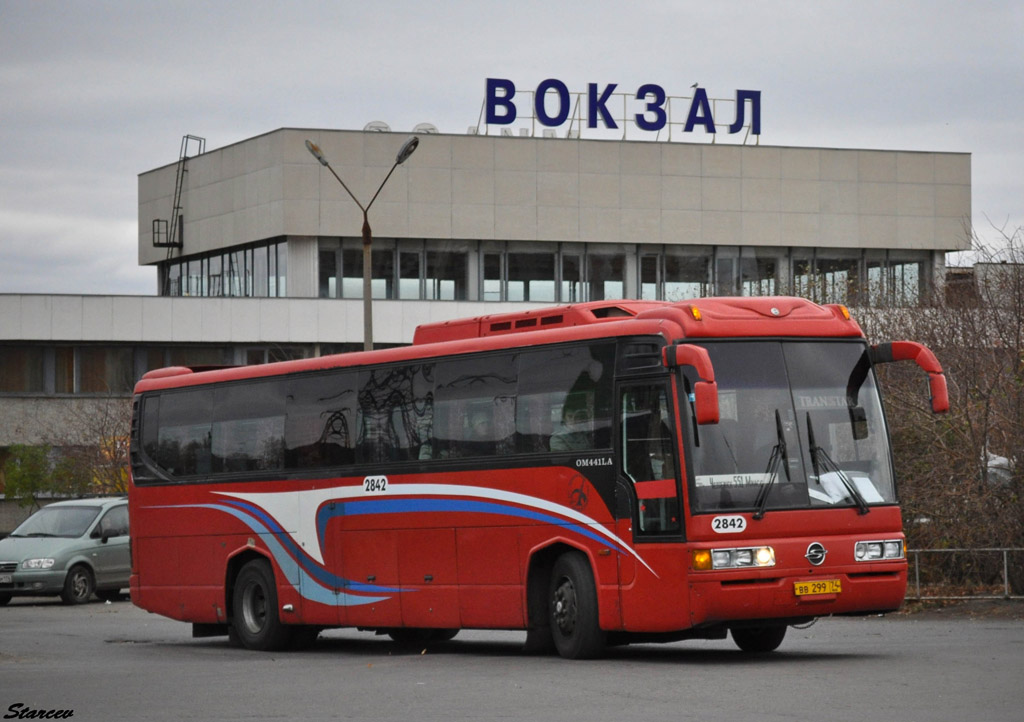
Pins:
x,y
701,559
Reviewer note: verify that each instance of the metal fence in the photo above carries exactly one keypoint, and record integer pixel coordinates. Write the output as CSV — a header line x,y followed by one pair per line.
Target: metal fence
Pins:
x,y
987,573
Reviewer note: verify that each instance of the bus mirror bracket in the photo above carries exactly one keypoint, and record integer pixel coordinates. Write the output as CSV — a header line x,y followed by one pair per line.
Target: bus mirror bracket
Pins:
x,y
705,391
925,359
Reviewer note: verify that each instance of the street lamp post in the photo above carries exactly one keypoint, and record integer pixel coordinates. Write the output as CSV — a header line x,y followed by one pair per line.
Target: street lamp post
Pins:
x,y
403,155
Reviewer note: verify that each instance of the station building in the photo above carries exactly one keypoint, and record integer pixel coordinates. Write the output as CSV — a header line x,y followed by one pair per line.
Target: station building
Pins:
x,y
258,247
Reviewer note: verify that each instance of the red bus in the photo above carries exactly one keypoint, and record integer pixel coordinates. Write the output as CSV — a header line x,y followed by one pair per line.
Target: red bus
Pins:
x,y
594,474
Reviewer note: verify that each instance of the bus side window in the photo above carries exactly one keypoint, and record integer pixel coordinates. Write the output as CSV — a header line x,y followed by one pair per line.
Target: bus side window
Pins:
x,y
474,407
319,420
565,399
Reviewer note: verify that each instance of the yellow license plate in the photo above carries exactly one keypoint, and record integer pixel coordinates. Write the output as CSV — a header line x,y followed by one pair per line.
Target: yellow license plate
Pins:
x,y
821,586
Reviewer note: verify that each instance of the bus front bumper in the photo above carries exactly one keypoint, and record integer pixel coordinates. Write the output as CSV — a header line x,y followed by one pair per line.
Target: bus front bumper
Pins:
x,y
723,597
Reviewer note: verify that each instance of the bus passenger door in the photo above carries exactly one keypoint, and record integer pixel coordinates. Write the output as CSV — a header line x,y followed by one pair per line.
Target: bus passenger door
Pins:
x,y
648,459
648,480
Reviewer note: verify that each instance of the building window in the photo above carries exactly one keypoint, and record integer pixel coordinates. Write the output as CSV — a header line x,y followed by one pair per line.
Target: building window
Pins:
x,y
106,369
446,276
759,272
327,270
255,271
64,370
606,276
200,356
493,277
906,282
531,277
382,273
572,278
409,264
675,274
21,369
278,275
686,276
273,354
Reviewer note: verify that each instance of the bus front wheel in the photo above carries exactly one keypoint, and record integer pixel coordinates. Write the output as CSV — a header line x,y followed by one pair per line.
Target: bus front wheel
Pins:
x,y
572,608
255,619
759,639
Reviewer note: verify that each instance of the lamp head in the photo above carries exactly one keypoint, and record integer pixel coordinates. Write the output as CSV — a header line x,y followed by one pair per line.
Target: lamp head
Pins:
x,y
406,150
317,153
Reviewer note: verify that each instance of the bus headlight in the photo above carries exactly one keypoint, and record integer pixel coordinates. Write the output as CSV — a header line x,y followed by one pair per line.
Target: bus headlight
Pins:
x,y
869,551
733,558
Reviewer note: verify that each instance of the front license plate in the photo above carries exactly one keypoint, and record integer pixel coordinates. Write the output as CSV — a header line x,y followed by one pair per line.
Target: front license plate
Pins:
x,y
821,586
6,579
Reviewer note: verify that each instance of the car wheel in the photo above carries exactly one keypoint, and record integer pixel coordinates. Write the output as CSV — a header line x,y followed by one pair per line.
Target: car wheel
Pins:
x,y
4,598
78,585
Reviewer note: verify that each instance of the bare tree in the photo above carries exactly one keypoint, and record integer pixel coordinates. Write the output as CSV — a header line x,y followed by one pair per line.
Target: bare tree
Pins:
x,y
961,474
93,446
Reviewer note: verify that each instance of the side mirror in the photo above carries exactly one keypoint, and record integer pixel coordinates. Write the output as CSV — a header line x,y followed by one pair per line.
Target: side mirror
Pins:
x,y
925,359
705,391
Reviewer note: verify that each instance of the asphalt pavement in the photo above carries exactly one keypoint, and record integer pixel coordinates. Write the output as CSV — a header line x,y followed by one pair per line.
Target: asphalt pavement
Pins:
x,y
116,662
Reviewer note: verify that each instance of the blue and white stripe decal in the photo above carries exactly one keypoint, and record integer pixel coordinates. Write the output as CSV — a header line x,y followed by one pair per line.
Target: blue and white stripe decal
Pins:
x,y
301,511
315,582
425,505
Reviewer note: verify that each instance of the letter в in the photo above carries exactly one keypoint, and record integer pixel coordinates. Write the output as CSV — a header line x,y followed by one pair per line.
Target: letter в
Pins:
x,y
504,101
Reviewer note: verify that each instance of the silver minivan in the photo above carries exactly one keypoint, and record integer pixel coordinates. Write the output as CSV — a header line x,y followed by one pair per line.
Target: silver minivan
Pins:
x,y
70,548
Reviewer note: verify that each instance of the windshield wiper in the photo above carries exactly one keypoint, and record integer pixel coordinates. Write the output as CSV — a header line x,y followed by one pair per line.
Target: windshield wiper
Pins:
x,y
779,456
820,459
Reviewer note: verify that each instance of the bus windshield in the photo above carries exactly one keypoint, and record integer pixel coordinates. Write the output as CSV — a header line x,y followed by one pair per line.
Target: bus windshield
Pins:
x,y
801,426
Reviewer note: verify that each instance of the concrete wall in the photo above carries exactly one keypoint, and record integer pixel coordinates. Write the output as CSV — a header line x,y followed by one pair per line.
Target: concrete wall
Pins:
x,y
553,189
156,319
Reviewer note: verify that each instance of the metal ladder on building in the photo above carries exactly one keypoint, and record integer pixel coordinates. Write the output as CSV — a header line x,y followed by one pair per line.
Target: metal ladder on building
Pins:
x,y
170,234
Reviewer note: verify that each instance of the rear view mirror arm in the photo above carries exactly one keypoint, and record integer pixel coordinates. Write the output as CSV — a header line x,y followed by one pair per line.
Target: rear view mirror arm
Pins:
x,y
925,359
705,390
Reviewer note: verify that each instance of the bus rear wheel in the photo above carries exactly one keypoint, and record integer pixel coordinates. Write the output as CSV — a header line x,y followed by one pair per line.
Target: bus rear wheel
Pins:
x,y
572,608
759,639
255,619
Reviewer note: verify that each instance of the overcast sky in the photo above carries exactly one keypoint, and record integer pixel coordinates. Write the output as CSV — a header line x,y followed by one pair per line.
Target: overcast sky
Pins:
x,y
94,93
